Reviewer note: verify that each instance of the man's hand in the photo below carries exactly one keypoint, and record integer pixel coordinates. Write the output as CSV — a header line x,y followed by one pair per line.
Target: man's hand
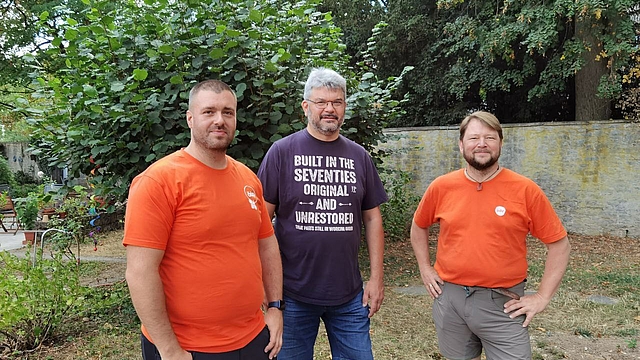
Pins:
x,y
273,319
373,295
431,280
529,305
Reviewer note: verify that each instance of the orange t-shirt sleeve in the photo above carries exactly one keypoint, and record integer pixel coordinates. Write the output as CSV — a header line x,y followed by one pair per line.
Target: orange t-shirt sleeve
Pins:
x,y
150,214
425,213
545,224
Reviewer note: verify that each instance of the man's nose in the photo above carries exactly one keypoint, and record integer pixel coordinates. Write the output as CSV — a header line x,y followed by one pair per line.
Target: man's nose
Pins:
x,y
217,118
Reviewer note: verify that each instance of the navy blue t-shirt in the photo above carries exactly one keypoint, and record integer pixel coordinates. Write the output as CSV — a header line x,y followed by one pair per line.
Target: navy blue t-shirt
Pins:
x,y
320,190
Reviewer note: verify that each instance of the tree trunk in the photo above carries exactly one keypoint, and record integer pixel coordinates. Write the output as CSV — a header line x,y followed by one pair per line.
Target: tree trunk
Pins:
x,y
588,105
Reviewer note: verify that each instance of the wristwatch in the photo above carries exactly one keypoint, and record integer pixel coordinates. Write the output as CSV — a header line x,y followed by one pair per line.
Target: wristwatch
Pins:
x,y
278,304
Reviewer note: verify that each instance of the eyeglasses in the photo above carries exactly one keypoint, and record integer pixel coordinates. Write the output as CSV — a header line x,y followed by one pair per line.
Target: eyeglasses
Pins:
x,y
337,104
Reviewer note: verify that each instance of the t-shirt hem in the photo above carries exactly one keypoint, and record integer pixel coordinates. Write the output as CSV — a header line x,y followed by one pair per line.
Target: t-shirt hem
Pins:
x,y
323,302
217,349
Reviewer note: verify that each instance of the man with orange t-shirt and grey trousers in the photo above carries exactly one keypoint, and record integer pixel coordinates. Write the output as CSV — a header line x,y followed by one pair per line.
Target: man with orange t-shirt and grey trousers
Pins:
x,y
485,213
201,251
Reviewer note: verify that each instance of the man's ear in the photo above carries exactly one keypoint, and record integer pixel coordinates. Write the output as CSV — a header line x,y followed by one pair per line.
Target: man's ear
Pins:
x,y
189,118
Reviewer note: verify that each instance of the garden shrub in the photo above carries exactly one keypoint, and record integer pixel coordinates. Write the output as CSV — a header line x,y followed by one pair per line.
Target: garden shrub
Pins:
x,y
35,300
397,213
6,176
23,178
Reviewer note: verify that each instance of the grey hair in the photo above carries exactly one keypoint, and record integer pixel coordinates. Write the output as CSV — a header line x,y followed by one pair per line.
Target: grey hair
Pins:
x,y
324,78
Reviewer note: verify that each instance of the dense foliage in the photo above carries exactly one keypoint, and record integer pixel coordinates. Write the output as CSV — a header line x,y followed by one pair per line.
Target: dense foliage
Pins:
x,y
629,103
519,59
356,18
118,101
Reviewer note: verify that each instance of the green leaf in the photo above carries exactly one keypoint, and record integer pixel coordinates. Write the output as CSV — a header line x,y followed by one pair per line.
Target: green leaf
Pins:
x,y
216,53
44,15
181,50
271,67
165,49
70,34
253,34
176,79
275,116
255,15
117,86
157,130
89,90
240,88
140,74
132,145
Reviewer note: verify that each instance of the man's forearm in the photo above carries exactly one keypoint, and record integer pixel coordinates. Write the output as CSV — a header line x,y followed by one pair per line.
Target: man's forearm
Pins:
x,y
420,244
271,267
374,235
555,267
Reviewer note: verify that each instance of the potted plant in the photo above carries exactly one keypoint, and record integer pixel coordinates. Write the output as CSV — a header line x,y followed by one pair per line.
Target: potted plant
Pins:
x,y
27,211
46,204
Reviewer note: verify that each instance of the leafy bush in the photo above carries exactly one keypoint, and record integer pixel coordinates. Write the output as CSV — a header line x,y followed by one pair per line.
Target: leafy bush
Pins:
x,y
23,178
6,176
27,211
629,102
35,300
74,215
120,73
20,191
397,213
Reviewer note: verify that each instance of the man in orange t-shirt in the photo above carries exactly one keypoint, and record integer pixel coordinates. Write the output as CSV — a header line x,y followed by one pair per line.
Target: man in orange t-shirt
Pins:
x,y
485,213
201,252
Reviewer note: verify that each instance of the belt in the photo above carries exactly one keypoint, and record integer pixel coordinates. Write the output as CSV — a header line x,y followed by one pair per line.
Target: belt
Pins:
x,y
502,291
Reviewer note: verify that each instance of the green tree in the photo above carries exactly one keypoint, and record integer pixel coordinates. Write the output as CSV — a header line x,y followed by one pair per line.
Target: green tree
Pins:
x,y
356,18
118,102
523,60
22,33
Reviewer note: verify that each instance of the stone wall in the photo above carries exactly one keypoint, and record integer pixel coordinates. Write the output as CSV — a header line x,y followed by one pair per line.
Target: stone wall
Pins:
x,y
19,159
589,170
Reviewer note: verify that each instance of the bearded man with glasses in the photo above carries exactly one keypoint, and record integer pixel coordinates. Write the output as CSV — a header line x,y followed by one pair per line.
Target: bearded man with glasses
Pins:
x,y
322,189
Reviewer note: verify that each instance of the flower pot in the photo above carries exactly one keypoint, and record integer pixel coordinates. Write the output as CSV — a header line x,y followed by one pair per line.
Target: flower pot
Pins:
x,y
48,211
29,237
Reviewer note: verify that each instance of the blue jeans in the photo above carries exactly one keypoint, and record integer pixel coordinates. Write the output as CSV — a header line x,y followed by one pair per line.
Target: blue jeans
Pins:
x,y
347,328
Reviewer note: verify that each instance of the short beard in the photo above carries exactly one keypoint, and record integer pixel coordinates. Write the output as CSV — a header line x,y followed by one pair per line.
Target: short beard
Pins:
x,y
220,145
481,166
324,130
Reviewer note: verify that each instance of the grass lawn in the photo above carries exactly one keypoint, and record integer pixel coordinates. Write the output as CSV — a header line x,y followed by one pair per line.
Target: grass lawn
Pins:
x,y
573,326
